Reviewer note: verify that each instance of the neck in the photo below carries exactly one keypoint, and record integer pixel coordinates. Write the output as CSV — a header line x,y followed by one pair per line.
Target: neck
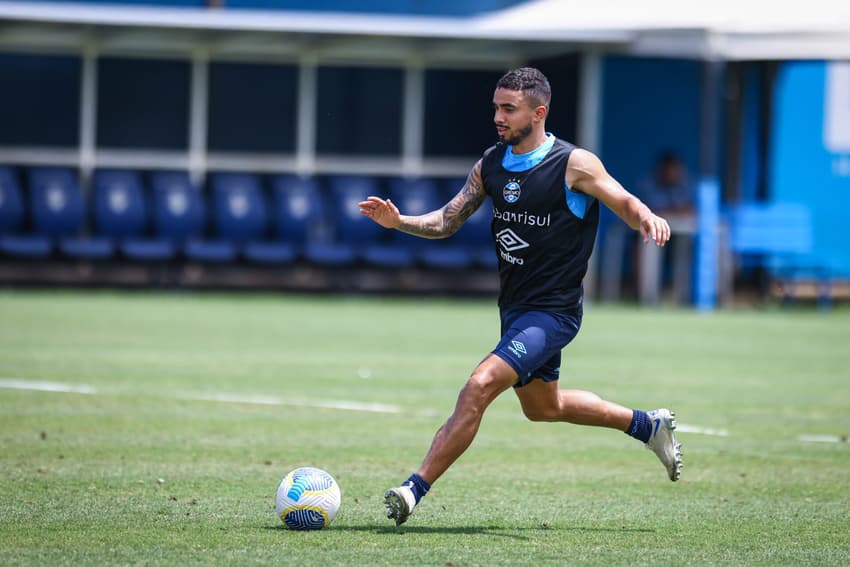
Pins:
x,y
532,142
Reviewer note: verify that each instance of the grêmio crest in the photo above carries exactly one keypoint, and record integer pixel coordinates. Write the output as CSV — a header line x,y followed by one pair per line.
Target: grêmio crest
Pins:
x,y
511,191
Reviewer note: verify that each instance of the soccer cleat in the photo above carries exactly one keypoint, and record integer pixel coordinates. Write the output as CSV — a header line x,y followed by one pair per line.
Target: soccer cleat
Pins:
x,y
400,503
663,442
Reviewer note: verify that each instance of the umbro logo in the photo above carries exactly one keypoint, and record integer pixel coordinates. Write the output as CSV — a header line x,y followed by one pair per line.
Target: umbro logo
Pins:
x,y
517,348
509,241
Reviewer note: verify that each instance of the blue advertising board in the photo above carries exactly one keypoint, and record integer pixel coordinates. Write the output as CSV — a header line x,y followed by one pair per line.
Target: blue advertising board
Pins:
x,y
809,160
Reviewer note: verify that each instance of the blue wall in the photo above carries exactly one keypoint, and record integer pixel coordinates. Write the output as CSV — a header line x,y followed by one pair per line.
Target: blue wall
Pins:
x,y
648,106
802,168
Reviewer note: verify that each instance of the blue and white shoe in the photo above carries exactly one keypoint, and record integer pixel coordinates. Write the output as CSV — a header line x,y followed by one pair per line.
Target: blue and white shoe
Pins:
x,y
400,502
663,442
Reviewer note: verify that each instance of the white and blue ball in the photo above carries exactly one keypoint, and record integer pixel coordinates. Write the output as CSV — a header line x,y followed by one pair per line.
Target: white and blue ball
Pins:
x,y
307,499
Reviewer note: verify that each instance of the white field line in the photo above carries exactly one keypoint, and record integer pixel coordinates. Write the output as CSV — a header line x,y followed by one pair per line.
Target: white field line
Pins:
x,y
683,428
823,438
273,401
16,384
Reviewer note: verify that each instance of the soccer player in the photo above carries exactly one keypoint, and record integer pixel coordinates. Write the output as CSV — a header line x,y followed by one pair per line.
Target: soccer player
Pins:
x,y
545,193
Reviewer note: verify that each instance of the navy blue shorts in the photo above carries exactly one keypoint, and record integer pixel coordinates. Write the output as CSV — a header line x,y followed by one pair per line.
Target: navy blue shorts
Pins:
x,y
532,342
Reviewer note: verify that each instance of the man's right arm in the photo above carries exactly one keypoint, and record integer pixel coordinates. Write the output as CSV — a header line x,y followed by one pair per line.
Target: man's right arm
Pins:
x,y
437,224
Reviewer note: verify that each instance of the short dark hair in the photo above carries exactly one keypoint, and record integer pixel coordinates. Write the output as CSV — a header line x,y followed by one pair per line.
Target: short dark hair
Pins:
x,y
533,84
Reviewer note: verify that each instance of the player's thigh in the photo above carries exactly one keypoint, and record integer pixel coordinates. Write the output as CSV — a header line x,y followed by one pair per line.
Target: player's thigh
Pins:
x,y
531,343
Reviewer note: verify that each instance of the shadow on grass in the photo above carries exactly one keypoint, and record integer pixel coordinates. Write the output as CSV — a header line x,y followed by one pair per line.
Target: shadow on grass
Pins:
x,y
473,530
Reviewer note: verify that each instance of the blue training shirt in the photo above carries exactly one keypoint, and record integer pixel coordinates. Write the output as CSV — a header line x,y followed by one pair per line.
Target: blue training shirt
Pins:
x,y
544,232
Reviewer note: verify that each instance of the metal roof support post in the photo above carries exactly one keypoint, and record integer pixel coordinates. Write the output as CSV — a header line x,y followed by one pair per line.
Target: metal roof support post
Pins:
x,y
305,137
88,111
708,194
413,119
199,100
590,99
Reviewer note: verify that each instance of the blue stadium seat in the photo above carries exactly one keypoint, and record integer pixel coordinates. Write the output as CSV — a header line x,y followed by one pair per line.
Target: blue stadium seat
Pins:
x,y
780,238
12,242
121,215
296,213
475,235
178,209
414,197
417,197
118,204
239,208
57,204
394,249
298,208
239,217
58,212
352,231
11,203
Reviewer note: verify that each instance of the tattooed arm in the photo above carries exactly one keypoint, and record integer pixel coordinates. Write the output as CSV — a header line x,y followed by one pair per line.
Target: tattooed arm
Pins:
x,y
436,224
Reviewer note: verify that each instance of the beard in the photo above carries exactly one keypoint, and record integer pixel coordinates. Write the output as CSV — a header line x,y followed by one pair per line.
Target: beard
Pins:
x,y
517,138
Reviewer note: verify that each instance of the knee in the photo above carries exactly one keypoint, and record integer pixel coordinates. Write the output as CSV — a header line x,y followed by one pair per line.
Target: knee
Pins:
x,y
481,388
476,388
541,413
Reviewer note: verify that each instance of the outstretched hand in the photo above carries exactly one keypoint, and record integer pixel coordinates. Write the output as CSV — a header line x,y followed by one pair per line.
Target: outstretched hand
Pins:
x,y
385,213
654,228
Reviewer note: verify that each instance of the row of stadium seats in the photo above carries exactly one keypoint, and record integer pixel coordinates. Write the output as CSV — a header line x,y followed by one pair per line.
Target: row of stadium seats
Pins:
x,y
280,219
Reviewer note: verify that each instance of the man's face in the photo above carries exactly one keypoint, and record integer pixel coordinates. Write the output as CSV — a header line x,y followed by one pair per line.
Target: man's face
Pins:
x,y
513,116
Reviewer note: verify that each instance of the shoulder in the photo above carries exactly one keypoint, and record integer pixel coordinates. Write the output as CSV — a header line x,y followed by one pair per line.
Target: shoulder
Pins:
x,y
491,162
562,150
583,166
564,145
496,151
582,160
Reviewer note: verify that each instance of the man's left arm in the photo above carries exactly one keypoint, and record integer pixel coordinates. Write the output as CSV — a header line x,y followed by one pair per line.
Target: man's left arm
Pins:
x,y
586,174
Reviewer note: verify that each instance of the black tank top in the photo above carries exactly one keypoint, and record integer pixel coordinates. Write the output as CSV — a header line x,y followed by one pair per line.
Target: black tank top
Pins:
x,y
543,246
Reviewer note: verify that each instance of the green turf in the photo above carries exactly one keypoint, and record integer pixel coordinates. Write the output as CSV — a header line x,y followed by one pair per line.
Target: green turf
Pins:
x,y
140,473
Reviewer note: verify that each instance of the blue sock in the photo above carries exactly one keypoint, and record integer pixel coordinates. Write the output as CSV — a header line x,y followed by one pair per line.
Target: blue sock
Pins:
x,y
641,427
418,485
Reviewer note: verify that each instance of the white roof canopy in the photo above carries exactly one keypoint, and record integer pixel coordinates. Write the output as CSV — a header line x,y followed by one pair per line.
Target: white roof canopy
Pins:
x,y
722,29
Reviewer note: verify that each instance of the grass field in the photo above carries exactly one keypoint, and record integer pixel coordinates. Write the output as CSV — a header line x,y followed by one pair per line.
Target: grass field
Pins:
x,y
190,408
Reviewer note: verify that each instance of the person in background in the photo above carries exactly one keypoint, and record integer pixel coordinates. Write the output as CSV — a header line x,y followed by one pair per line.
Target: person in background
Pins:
x,y
668,191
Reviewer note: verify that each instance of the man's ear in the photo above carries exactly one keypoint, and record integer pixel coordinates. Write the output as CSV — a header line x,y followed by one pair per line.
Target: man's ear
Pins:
x,y
540,112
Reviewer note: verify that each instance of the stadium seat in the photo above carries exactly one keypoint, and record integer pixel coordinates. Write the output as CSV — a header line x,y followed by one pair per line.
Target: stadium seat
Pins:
x,y
11,203
178,209
352,232
13,243
121,215
412,197
298,209
239,217
417,197
295,215
474,235
58,213
780,237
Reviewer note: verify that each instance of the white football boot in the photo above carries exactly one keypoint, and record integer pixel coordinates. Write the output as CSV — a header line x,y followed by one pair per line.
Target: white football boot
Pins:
x,y
663,443
400,502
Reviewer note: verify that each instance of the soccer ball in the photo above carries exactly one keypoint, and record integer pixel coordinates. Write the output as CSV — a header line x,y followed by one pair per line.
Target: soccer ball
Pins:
x,y
307,499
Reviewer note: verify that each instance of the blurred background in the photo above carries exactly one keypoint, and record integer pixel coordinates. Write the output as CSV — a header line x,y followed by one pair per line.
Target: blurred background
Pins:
x,y
224,144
